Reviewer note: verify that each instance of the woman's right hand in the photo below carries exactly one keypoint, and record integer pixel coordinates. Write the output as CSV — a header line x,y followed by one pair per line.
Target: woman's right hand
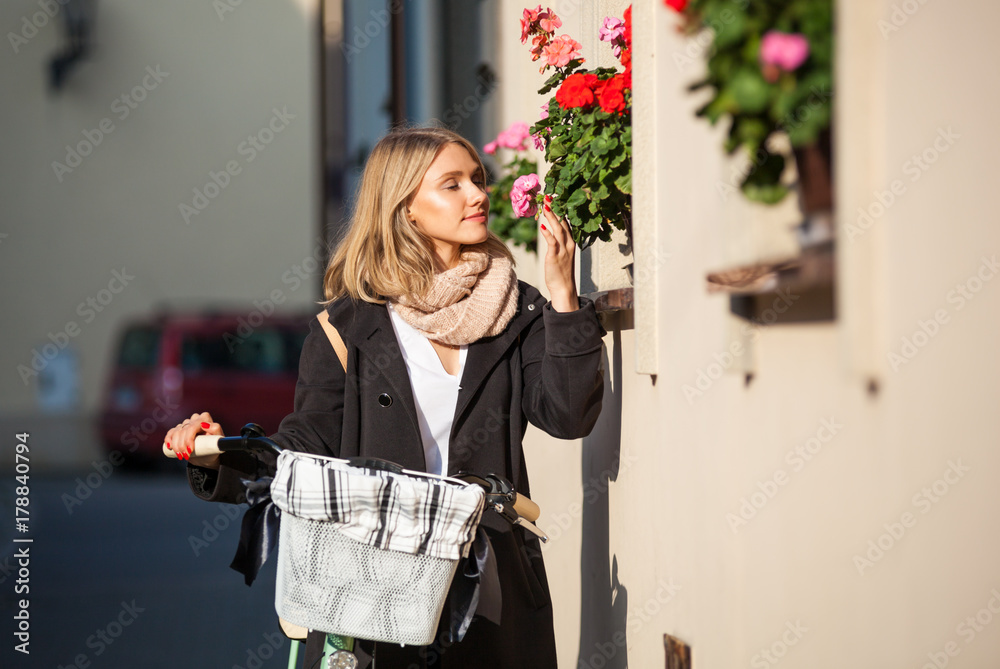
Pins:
x,y
180,439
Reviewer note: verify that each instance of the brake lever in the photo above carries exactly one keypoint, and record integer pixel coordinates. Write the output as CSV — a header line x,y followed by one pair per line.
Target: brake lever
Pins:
x,y
500,494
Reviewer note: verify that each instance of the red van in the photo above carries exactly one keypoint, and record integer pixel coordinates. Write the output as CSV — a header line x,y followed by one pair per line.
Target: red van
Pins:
x,y
241,368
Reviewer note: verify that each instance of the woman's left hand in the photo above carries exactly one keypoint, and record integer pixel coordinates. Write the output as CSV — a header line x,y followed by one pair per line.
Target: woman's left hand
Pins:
x,y
559,266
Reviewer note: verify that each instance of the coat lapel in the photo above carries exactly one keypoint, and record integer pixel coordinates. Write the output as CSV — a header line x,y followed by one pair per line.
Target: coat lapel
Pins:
x,y
484,354
368,327
371,331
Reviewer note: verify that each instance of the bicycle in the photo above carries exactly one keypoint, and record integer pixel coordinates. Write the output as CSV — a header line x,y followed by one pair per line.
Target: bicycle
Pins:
x,y
361,575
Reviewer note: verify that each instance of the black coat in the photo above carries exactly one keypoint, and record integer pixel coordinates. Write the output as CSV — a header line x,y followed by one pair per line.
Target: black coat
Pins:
x,y
544,368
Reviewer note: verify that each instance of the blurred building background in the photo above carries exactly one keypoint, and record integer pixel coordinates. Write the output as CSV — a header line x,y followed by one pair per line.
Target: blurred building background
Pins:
x,y
796,476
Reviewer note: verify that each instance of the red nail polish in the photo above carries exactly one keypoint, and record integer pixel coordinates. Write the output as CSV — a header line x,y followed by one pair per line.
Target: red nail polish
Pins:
x,y
169,446
205,426
548,198
547,207
544,228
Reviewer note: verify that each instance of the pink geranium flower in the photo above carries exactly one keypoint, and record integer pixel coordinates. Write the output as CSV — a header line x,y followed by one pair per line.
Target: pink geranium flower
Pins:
x,y
784,50
529,21
515,137
548,21
545,111
614,31
562,50
523,195
538,44
535,20
491,148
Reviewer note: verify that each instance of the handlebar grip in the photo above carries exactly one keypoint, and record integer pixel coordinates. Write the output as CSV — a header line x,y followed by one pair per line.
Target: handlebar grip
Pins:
x,y
204,444
526,508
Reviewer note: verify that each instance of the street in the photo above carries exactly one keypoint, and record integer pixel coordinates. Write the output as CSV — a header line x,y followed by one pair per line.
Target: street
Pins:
x,y
134,574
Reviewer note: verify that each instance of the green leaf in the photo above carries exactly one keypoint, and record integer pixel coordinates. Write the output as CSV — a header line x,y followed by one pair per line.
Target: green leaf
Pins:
x,y
600,146
578,198
724,103
555,150
624,183
729,28
762,183
749,91
765,193
579,165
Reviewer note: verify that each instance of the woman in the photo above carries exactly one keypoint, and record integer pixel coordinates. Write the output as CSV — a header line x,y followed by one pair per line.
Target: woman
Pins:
x,y
448,356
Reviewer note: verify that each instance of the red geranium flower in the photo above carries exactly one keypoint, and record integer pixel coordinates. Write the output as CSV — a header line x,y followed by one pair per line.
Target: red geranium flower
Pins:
x,y
628,26
611,94
577,90
677,5
626,61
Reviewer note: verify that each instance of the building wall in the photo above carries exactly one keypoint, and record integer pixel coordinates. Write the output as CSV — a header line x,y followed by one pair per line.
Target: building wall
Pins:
x,y
873,474
220,77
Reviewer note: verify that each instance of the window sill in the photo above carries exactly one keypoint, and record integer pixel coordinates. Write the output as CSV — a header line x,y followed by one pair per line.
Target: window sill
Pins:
x,y
806,281
606,301
814,268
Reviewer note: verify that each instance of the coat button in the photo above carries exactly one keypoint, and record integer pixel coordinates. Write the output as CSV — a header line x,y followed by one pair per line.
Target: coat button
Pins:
x,y
531,307
384,400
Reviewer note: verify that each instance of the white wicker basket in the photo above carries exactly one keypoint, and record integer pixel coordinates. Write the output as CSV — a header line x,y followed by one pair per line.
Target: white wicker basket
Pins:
x,y
367,553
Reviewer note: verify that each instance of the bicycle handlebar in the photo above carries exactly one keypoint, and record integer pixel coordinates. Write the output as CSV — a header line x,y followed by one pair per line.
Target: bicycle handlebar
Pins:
x,y
213,444
526,508
525,511
204,444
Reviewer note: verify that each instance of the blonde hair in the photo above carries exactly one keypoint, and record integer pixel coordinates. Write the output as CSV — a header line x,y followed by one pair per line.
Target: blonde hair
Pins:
x,y
383,255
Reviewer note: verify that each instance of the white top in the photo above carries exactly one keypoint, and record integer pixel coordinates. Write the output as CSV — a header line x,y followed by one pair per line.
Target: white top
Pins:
x,y
435,391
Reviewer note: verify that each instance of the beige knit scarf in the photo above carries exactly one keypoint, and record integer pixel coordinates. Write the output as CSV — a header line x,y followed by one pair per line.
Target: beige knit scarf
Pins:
x,y
474,299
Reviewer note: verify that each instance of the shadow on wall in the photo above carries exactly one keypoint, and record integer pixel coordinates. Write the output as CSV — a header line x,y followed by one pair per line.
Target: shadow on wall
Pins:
x,y
603,599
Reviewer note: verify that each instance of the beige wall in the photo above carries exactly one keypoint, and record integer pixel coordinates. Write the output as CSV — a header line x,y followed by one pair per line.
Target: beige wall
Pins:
x,y
222,77
731,590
